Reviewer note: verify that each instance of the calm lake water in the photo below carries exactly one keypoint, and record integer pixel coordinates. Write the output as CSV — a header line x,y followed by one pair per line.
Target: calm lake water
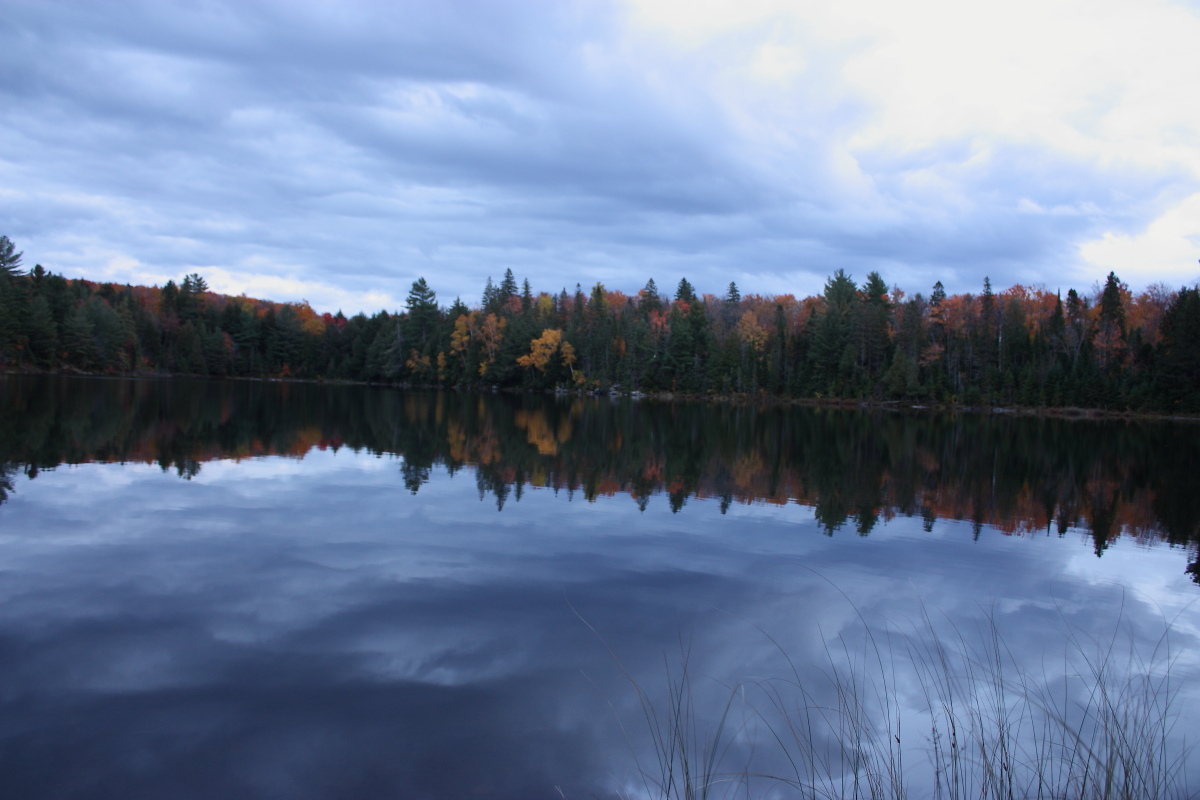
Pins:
x,y
263,590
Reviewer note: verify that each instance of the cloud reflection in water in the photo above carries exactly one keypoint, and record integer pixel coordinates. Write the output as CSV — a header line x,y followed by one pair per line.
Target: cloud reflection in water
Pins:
x,y
310,628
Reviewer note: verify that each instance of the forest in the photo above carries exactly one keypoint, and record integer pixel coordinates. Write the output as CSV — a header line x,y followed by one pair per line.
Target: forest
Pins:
x,y
1103,348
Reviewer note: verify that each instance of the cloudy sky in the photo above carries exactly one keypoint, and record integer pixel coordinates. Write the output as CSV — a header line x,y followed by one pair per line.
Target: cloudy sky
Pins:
x,y
336,153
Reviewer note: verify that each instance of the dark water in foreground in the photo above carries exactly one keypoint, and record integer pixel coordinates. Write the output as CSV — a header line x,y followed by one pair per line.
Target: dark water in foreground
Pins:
x,y
266,590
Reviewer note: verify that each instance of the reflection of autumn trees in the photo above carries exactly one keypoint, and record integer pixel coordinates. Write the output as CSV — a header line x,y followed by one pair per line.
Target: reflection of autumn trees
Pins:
x,y
1021,475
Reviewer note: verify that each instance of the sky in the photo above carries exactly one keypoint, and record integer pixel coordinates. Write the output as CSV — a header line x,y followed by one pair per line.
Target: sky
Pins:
x,y
336,152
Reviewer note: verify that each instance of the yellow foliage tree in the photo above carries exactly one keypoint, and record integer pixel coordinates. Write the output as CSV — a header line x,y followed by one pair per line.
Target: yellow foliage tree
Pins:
x,y
568,358
460,337
489,333
751,333
418,363
541,350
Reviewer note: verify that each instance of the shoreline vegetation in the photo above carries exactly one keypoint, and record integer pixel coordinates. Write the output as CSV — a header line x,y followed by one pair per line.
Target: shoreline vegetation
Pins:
x,y
1104,353
763,399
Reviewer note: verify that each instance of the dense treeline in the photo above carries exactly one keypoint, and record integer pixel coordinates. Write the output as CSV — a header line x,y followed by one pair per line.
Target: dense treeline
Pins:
x,y
854,468
1108,348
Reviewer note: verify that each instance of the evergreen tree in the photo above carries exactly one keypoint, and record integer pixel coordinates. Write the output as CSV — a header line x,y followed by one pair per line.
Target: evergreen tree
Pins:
x,y
491,297
1178,359
831,337
1075,333
189,353
649,299
938,295
421,326
1015,347
217,348
10,259
697,318
526,297
986,343
681,351
168,299
685,293
779,363
130,356
1109,339
733,296
382,353
58,294
286,346
193,284
43,334
870,329
108,335
1112,310
79,339
189,303
508,287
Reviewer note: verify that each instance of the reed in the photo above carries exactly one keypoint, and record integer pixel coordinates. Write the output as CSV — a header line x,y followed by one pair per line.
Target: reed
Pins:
x,y
926,709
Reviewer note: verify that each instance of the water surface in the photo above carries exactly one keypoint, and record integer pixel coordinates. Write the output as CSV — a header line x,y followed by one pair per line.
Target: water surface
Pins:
x,y
287,590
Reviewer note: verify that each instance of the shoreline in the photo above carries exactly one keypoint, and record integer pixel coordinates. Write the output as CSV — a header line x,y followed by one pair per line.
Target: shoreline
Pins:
x,y
1054,412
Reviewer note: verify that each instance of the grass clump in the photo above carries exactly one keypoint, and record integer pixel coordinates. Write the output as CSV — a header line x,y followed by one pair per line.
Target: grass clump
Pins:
x,y
927,710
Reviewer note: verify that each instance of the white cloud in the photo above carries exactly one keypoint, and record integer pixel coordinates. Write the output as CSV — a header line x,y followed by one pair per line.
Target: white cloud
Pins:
x,y
263,279
1096,78
937,117
775,63
1166,251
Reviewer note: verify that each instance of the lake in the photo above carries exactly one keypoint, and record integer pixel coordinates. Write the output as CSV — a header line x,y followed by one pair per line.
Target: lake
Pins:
x,y
270,590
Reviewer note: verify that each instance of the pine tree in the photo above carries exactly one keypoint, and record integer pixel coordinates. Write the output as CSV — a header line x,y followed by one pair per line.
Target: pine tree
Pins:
x,y
986,374
10,325
43,334
1178,358
491,297
189,302
733,296
189,357
1112,311
10,259
831,336
526,297
508,287
1109,339
648,299
685,293
79,339
421,325
870,328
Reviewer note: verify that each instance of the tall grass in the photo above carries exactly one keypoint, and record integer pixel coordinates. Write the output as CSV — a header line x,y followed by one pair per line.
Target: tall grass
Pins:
x,y
928,710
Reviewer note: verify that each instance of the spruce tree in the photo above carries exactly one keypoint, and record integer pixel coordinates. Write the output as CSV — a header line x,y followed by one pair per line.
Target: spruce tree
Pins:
x,y
10,259
508,286
649,299
420,328
684,292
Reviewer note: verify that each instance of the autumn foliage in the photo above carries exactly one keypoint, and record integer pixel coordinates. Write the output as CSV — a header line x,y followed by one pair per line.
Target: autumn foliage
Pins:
x,y
1108,347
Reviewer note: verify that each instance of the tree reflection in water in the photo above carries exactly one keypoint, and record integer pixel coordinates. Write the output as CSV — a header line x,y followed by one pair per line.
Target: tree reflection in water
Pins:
x,y
855,468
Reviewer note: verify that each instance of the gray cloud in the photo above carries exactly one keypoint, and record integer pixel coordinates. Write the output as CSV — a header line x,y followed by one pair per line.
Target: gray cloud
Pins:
x,y
362,148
